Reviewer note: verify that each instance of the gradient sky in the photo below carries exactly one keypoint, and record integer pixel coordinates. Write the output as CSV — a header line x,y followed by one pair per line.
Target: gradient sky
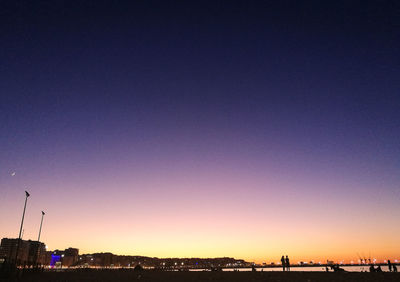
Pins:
x,y
248,129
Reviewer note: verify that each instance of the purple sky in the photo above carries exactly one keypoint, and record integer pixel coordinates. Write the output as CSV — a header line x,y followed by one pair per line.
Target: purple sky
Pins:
x,y
226,123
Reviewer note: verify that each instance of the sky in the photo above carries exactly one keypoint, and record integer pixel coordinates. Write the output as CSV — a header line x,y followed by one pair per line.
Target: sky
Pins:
x,y
248,129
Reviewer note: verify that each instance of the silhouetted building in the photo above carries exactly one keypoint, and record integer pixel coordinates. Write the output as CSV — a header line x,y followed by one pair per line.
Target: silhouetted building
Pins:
x,y
111,260
47,259
8,250
37,253
68,257
30,253
72,252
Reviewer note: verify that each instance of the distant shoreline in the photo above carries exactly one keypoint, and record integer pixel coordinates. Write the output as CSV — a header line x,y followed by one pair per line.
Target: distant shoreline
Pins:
x,y
318,265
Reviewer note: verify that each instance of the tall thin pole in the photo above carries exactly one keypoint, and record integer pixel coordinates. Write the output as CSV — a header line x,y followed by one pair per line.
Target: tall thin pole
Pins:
x,y
40,230
38,250
23,214
20,229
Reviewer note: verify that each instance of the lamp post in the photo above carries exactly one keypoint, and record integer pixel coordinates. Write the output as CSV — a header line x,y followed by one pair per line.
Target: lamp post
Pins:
x,y
38,250
41,222
20,229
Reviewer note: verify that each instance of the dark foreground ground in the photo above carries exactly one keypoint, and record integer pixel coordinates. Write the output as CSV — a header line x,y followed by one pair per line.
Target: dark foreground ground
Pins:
x,y
125,275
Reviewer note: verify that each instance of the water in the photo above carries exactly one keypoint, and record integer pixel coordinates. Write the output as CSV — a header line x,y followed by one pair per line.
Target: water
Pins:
x,y
355,268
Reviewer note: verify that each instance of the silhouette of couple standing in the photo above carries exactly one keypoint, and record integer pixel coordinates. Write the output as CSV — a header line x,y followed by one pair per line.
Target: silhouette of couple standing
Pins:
x,y
285,263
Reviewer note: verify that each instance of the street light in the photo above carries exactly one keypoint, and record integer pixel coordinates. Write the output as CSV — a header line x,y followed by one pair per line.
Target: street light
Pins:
x,y
41,222
39,250
20,229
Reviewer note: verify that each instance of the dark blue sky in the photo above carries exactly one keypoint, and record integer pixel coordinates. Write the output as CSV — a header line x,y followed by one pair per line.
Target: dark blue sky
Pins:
x,y
298,92
310,73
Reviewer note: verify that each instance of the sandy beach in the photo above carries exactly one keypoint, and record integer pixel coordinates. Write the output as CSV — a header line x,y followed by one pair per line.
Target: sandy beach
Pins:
x,y
162,276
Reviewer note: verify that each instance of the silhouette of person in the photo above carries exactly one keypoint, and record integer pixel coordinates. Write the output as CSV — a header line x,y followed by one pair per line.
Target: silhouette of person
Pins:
x,y
287,262
390,265
394,268
283,263
336,268
371,268
379,269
